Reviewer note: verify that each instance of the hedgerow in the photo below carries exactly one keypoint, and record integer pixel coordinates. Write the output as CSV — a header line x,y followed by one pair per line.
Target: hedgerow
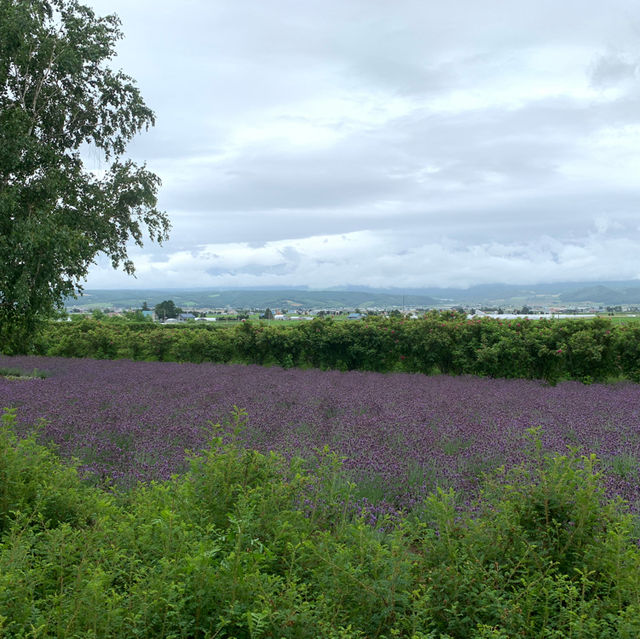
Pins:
x,y
586,350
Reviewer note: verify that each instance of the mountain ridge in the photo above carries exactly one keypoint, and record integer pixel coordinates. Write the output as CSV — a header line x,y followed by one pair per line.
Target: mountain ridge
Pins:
x,y
558,293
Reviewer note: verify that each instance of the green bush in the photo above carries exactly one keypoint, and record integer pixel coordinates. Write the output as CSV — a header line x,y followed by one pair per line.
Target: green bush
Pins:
x,y
252,545
586,350
34,484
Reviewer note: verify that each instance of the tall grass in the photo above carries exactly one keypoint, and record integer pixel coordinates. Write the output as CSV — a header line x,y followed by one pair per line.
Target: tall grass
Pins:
x,y
18,373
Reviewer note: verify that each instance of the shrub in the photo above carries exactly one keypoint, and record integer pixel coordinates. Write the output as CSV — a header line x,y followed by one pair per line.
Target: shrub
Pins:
x,y
34,485
587,350
251,545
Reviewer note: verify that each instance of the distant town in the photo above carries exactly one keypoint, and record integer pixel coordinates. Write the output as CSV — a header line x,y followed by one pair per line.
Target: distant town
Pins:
x,y
168,312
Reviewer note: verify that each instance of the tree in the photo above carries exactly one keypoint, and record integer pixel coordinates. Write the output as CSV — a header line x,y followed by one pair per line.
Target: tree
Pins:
x,y
167,309
136,316
58,98
98,314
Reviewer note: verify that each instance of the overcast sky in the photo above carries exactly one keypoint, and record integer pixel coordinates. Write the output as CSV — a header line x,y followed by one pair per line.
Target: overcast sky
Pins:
x,y
386,143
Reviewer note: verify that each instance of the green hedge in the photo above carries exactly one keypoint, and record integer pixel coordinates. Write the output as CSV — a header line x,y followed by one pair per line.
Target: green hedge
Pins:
x,y
587,350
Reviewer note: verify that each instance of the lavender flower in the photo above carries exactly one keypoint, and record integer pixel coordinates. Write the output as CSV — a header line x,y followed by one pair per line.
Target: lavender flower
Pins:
x,y
401,434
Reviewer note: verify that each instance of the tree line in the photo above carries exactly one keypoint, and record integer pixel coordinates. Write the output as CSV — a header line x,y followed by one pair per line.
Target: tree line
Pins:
x,y
591,350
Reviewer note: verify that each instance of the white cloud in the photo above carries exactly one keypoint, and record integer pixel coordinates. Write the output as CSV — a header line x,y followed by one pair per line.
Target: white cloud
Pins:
x,y
388,144
383,259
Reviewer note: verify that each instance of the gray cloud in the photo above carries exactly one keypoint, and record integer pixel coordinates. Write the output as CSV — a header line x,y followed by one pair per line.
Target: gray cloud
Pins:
x,y
501,138
612,69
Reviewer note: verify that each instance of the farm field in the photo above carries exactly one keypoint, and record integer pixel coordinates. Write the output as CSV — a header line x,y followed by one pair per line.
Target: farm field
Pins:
x,y
625,319
400,434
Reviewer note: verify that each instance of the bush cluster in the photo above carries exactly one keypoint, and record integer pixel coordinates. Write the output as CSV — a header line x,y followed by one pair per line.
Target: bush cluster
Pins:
x,y
251,545
586,350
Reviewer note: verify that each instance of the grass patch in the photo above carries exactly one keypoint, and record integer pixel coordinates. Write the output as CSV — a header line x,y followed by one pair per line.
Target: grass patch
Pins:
x,y
16,373
625,466
455,446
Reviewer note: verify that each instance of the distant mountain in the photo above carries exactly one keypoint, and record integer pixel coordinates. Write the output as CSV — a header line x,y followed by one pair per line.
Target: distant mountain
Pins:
x,y
618,292
564,291
350,297
604,295
502,293
251,299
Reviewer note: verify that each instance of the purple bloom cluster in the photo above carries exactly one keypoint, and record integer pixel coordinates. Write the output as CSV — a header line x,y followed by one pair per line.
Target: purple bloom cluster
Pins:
x,y
401,434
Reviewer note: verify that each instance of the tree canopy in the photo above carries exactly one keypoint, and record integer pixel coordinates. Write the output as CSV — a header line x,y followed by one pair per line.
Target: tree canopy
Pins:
x,y
167,309
59,99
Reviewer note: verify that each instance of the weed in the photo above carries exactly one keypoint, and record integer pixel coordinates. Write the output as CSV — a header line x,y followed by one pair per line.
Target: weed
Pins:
x,y
16,373
625,465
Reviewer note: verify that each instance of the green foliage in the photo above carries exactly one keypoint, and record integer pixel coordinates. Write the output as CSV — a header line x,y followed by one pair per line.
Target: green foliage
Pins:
x,y
136,316
16,373
586,350
167,310
34,486
56,95
542,558
252,545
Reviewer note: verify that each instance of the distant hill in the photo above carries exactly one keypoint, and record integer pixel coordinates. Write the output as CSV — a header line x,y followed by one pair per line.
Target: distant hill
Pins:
x,y
251,299
349,297
604,295
518,294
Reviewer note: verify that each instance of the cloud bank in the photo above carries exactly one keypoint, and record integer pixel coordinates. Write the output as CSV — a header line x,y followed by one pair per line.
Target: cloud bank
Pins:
x,y
387,144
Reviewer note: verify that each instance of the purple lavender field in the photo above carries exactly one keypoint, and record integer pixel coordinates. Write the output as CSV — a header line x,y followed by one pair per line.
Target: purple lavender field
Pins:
x,y
401,434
